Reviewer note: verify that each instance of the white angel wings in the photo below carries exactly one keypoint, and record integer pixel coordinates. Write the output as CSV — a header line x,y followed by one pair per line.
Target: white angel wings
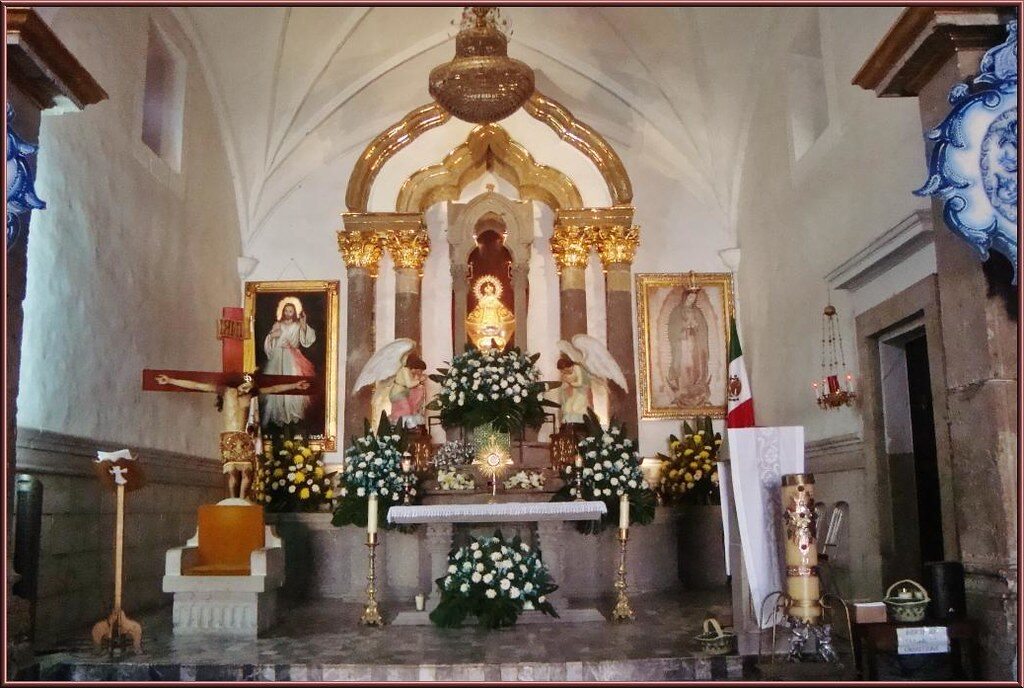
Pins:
x,y
384,363
592,355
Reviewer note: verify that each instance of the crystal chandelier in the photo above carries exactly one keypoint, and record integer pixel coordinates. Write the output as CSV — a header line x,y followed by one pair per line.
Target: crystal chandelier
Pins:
x,y
835,387
482,84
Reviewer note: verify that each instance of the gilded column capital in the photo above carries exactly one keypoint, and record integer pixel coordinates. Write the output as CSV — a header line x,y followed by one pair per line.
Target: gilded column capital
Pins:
x,y
360,249
617,243
408,248
570,245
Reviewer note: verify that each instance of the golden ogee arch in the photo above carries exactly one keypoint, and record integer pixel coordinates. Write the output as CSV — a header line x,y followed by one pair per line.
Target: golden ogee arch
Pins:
x,y
487,147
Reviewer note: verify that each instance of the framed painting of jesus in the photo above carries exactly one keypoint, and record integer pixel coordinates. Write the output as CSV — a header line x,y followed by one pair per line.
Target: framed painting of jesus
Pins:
x,y
293,330
684,343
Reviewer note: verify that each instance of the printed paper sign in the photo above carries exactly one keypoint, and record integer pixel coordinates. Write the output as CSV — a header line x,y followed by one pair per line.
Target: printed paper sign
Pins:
x,y
922,640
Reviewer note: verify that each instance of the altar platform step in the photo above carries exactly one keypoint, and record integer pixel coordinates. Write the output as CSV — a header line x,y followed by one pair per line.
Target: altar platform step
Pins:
x,y
321,641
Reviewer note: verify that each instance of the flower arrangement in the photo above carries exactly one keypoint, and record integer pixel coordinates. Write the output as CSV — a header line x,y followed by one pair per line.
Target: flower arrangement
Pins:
x,y
495,580
690,473
453,481
374,465
502,388
525,480
291,476
609,467
454,454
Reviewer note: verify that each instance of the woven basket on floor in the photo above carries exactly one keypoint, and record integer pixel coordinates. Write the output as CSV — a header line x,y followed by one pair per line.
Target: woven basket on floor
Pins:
x,y
906,609
714,640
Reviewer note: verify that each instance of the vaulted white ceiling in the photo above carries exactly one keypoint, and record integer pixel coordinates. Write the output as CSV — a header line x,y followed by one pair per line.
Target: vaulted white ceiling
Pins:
x,y
296,87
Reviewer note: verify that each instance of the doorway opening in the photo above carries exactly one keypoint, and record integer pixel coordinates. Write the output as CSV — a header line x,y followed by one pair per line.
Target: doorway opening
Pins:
x,y
912,452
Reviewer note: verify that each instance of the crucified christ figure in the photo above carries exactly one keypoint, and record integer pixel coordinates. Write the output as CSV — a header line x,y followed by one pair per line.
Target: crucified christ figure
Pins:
x,y
240,426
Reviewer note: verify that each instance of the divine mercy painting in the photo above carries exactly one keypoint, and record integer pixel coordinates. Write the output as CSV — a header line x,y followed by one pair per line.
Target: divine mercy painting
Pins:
x,y
684,333
293,328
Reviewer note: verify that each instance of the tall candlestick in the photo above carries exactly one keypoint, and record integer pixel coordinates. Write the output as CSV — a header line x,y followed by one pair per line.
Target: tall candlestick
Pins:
x,y
624,512
371,516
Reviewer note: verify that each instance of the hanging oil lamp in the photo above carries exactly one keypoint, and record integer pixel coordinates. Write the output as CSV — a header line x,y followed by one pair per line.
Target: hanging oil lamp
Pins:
x,y
834,389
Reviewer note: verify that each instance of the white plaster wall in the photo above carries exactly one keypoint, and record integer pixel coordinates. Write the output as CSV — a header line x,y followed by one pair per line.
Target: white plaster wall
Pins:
x,y
799,220
130,263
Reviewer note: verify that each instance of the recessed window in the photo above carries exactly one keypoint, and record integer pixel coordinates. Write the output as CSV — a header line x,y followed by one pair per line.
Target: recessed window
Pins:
x,y
805,85
163,99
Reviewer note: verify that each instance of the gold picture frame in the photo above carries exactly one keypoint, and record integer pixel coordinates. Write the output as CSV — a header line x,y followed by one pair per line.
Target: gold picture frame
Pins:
x,y
264,304
684,343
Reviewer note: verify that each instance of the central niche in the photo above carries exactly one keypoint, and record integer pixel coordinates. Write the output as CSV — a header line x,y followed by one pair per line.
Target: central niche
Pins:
x,y
491,300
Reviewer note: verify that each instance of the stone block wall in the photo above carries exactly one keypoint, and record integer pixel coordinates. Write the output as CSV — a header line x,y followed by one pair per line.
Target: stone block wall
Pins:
x,y
76,559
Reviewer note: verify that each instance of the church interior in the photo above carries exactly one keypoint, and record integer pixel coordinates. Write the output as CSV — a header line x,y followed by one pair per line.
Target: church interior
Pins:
x,y
511,344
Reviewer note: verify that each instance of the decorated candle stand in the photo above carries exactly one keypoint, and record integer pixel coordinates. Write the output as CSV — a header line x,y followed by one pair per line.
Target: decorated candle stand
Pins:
x,y
802,607
371,613
118,471
622,612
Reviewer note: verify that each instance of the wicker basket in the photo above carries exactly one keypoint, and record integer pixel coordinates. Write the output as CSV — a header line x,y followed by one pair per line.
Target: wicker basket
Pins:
x,y
910,607
714,640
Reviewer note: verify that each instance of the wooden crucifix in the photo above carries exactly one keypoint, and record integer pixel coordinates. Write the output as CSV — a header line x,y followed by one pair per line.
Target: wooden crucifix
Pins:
x,y
237,392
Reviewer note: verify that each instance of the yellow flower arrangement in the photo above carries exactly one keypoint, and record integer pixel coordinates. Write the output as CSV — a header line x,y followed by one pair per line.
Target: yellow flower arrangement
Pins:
x,y
689,472
292,477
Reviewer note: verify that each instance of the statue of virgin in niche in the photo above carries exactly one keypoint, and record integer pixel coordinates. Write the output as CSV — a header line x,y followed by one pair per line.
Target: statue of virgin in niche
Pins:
x,y
689,376
490,323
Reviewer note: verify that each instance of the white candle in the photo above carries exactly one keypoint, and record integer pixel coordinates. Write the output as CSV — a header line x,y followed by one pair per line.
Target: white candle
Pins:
x,y
624,512
420,602
371,517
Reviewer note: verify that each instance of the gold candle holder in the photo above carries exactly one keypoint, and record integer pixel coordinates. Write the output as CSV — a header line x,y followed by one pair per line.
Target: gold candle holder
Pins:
x,y
371,614
623,611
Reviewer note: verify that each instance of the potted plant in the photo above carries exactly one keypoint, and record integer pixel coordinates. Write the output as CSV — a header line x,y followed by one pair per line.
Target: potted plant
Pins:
x,y
689,482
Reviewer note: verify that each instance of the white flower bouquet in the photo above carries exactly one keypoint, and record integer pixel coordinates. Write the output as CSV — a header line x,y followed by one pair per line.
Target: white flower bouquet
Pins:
x,y
454,481
525,480
609,464
373,465
453,454
495,580
498,387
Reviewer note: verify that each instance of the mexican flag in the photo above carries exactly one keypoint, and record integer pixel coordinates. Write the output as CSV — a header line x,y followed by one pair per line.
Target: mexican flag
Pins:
x,y
741,404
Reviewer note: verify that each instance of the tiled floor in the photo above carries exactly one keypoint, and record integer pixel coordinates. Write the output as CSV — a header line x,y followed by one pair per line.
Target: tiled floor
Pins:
x,y
322,641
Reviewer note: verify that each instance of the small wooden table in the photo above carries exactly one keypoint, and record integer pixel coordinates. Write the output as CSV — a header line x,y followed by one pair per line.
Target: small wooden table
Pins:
x,y
869,639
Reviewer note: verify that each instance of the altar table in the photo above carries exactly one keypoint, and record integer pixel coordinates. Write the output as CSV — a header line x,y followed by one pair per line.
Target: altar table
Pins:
x,y
549,517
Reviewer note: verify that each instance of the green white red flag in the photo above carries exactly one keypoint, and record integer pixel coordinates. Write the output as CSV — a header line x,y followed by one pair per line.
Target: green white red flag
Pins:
x,y
741,403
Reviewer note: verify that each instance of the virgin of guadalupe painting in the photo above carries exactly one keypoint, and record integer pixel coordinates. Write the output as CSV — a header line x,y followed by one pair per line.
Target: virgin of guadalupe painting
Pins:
x,y
293,330
684,332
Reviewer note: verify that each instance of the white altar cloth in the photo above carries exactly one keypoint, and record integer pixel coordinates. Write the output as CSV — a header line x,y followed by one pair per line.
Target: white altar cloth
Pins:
x,y
508,512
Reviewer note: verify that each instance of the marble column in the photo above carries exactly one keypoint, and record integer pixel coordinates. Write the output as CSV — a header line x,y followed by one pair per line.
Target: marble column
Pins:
x,y
570,245
361,251
617,246
408,249
928,52
520,280
460,294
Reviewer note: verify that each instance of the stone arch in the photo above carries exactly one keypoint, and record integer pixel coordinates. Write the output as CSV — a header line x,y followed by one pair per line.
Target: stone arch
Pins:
x,y
488,147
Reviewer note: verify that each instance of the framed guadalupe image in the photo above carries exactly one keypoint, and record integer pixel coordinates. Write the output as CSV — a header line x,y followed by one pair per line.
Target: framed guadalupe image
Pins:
x,y
684,343
293,330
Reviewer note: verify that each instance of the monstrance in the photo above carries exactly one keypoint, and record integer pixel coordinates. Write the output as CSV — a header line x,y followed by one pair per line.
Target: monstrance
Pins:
x,y
493,458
